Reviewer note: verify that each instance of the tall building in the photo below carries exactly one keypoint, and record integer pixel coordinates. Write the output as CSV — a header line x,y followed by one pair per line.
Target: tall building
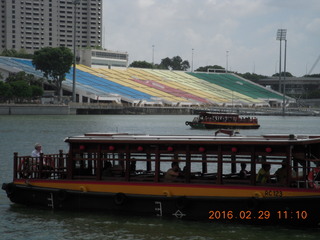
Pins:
x,y
34,24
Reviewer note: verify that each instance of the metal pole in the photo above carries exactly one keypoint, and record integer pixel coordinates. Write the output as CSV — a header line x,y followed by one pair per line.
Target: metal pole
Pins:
x,y
227,61
152,56
281,35
280,69
75,2
284,77
192,61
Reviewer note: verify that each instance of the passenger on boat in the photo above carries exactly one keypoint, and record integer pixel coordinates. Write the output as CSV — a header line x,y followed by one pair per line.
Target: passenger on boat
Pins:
x,y
133,166
243,172
107,170
281,174
117,170
173,173
37,150
47,162
263,174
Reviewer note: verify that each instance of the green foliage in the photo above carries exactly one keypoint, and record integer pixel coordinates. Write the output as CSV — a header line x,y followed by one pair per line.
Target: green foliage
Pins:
x,y
175,63
313,75
95,47
165,63
9,53
282,74
5,91
15,77
14,53
36,91
141,64
21,90
252,76
23,76
20,87
205,69
55,63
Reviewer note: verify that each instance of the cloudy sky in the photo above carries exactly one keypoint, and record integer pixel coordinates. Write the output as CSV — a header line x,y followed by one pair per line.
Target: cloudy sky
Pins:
x,y
241,33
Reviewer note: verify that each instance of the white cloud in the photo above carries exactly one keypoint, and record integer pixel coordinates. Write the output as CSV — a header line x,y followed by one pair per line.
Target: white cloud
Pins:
x,y
146,3
314,25
245,28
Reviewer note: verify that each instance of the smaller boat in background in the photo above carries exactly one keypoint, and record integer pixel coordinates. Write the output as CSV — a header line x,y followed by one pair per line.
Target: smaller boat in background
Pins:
x,y
211,120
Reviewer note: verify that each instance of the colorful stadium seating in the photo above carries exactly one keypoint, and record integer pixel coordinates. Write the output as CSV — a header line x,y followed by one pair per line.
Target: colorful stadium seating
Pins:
x,y
161,87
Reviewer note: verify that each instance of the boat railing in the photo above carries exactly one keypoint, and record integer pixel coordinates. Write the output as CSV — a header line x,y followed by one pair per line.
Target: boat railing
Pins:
x,y
52,166
200,168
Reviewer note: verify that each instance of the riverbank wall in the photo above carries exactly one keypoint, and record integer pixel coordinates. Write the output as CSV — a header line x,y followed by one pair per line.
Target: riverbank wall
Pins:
x,y
34,109
97,109
81,109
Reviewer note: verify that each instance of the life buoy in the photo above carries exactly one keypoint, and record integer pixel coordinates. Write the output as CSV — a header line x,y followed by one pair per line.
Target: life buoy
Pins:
x,y
312,176
257,195
120,199
187,123
167,193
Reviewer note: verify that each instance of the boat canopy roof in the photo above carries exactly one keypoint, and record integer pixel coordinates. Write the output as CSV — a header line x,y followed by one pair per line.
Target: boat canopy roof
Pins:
x,y
287,139
218,114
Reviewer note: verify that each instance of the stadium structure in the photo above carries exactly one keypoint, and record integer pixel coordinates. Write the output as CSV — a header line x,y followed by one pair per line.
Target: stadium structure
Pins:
x,y
151,87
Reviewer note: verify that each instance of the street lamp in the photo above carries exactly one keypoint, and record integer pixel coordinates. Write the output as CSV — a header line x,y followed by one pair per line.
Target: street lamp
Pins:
x,y
281,35
75,2
192,60
284,76
152,56
227,56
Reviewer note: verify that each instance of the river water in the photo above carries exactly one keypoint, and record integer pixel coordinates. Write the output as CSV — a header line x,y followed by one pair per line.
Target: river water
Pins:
x,y
20,133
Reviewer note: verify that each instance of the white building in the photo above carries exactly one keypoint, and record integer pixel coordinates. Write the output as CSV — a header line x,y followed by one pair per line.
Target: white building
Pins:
x,y
30,25
33,24
102,58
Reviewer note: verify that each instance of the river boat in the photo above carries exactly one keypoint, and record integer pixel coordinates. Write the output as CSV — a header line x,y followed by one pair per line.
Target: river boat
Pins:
x,y
140,175
212,120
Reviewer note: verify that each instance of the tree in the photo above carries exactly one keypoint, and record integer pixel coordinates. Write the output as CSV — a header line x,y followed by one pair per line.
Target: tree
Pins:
x,y
175,63
252,76
185,65
317,75
55,63
13,53
9,53
141,64
282,74
5,91
23,76
21,90
22,85
165,63
36,91
209,67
